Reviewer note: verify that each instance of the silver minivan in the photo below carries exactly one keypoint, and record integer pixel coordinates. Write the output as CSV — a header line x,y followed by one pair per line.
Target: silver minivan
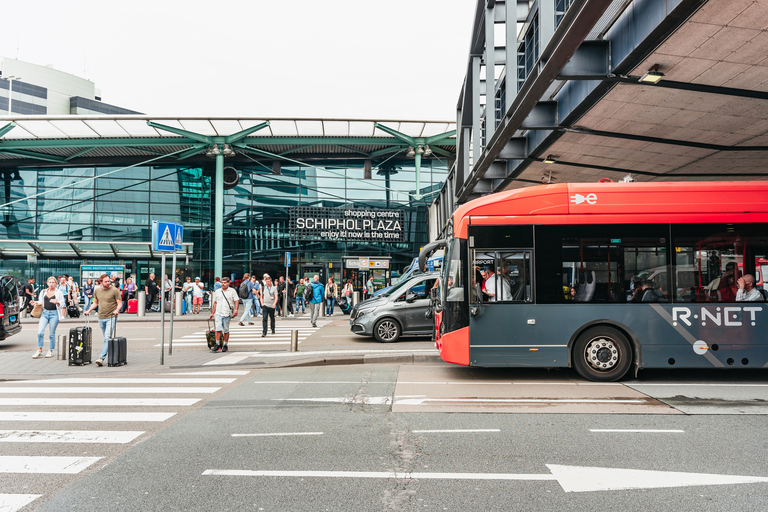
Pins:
x,y
401,311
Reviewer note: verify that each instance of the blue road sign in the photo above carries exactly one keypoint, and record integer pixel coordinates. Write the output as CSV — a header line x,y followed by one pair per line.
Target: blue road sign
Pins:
x,y
166,236
287,259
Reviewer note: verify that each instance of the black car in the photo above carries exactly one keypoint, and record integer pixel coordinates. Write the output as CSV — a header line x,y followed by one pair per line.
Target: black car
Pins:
x,y
10,323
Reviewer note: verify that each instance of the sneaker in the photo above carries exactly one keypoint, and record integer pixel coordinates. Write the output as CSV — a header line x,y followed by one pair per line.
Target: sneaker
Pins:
x,y
224,348
240,323
290,316
263,336
99,362
37,354
250,323
216,348
314,325
49,354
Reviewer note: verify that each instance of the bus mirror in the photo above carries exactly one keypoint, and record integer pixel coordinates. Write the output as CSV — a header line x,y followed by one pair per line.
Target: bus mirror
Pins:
x,y
474,310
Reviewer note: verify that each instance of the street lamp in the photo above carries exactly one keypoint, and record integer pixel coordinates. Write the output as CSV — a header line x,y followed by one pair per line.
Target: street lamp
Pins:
x,y
10,90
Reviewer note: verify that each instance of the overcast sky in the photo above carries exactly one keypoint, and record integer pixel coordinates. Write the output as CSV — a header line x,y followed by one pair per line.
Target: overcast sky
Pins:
x,y
385,59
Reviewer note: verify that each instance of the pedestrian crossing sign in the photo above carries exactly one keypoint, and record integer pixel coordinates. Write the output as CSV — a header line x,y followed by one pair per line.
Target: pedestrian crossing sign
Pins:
x,y
166,236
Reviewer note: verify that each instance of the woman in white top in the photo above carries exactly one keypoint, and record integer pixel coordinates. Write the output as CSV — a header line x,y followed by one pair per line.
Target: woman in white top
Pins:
x,y
53,302
348,289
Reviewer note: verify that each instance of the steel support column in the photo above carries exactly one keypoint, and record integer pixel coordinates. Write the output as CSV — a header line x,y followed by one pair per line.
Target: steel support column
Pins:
x,y
218,244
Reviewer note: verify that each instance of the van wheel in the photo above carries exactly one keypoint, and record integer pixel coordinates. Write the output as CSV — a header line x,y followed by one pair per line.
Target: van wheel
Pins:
x,y
386,330
602,354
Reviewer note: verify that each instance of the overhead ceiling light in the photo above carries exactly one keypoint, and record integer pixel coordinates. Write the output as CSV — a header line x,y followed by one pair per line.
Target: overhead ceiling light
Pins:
x,y
227,151
427,150
419,150
213,150
411,153
653,76
550,159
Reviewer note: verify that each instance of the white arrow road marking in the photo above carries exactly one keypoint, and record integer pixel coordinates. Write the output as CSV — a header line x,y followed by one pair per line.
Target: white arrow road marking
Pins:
x,y
420,401
85,416
14,502
370,400
58,465
105,390
581,479
92,402
68,436
570,478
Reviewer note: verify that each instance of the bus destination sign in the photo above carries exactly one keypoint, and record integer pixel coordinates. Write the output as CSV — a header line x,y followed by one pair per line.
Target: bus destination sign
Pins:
x,y
352,224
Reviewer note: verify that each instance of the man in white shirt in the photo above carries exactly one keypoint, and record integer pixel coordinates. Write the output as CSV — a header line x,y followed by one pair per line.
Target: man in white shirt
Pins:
x,y
197,296
747,291
225,303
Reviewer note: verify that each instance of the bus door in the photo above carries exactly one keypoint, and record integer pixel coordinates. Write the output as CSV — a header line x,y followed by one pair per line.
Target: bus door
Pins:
x,y
502,295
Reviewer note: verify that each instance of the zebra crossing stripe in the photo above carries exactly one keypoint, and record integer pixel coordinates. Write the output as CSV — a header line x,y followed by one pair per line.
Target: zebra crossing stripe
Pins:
x,y
215,372
44,390
69,436
43,464
14,502
91,402
85,416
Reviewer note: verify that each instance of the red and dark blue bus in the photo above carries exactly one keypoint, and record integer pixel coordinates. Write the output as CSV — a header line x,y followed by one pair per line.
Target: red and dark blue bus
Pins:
x,y
607,278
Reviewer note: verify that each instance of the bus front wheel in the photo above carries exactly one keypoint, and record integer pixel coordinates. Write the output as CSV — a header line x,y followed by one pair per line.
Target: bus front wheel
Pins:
x,y
602,354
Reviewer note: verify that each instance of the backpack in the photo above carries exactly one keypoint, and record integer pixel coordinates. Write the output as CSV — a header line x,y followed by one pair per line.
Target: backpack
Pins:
x,y
309,293
244,292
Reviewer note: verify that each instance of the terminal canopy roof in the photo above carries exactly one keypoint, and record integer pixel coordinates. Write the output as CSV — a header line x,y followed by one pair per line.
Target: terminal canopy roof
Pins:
x,y
112,140
84,249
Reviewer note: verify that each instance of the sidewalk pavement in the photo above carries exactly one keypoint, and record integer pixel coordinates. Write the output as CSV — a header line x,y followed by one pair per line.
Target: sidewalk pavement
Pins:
x,y
331,344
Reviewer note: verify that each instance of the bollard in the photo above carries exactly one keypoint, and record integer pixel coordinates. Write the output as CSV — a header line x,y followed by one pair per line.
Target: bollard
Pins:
x,y
63,348
294,340
141,305
178,303
355,298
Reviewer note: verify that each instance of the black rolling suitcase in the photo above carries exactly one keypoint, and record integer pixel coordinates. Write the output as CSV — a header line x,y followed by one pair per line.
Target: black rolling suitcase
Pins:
x,y
73,311
118,348
80,339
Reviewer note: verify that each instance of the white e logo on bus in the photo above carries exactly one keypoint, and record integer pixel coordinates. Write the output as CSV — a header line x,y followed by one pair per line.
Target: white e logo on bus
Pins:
x,y
700,347
589,199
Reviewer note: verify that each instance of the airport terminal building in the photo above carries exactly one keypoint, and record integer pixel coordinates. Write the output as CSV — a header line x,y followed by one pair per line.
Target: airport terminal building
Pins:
x,y
347,198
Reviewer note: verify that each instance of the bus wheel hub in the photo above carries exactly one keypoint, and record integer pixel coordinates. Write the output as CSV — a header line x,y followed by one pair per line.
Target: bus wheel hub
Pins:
x,y
602,354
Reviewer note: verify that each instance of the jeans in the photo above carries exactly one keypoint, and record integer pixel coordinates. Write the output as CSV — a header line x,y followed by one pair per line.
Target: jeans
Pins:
x,y
329,306
188,298
51,319
300,302
314,308
88,301
107,325
247,303
256,307
268,313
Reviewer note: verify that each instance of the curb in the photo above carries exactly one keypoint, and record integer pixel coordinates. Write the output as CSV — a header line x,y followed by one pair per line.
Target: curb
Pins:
x,y
331,361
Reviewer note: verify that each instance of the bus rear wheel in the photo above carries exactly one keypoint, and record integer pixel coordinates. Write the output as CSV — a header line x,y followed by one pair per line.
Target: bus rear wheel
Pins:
x,y
602,354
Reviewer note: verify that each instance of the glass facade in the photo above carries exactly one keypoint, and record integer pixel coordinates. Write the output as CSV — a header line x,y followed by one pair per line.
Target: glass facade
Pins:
x,y
114,204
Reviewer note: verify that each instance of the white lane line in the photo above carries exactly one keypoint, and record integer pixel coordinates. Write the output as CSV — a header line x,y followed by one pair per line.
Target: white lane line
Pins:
x,y
127,380
58,465
14,502
675,384
463,383
92,402
85,416
370,400
638,430
456,431
69,436
107,390
322,382
380,474
142,339
215,372
421,401
202,343
280,434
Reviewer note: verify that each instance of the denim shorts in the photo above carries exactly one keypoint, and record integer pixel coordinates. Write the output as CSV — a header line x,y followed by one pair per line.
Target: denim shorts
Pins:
x,y
221,322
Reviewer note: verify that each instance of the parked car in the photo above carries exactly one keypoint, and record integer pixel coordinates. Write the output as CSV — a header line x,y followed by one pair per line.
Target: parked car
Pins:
x,y
401,311
10,307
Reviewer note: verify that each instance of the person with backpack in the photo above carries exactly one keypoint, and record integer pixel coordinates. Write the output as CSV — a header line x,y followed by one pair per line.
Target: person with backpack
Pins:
x,y
246,294
314,295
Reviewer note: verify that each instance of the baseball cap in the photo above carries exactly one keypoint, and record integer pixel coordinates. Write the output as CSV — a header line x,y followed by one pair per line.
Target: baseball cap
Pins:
x,y
197,279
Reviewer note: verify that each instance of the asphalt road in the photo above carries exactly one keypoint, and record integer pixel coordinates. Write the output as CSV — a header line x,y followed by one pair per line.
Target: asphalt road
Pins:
x,y
331,438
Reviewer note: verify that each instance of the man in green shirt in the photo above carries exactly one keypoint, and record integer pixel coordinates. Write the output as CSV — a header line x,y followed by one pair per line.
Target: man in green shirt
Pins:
x,y
299,294
108,300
